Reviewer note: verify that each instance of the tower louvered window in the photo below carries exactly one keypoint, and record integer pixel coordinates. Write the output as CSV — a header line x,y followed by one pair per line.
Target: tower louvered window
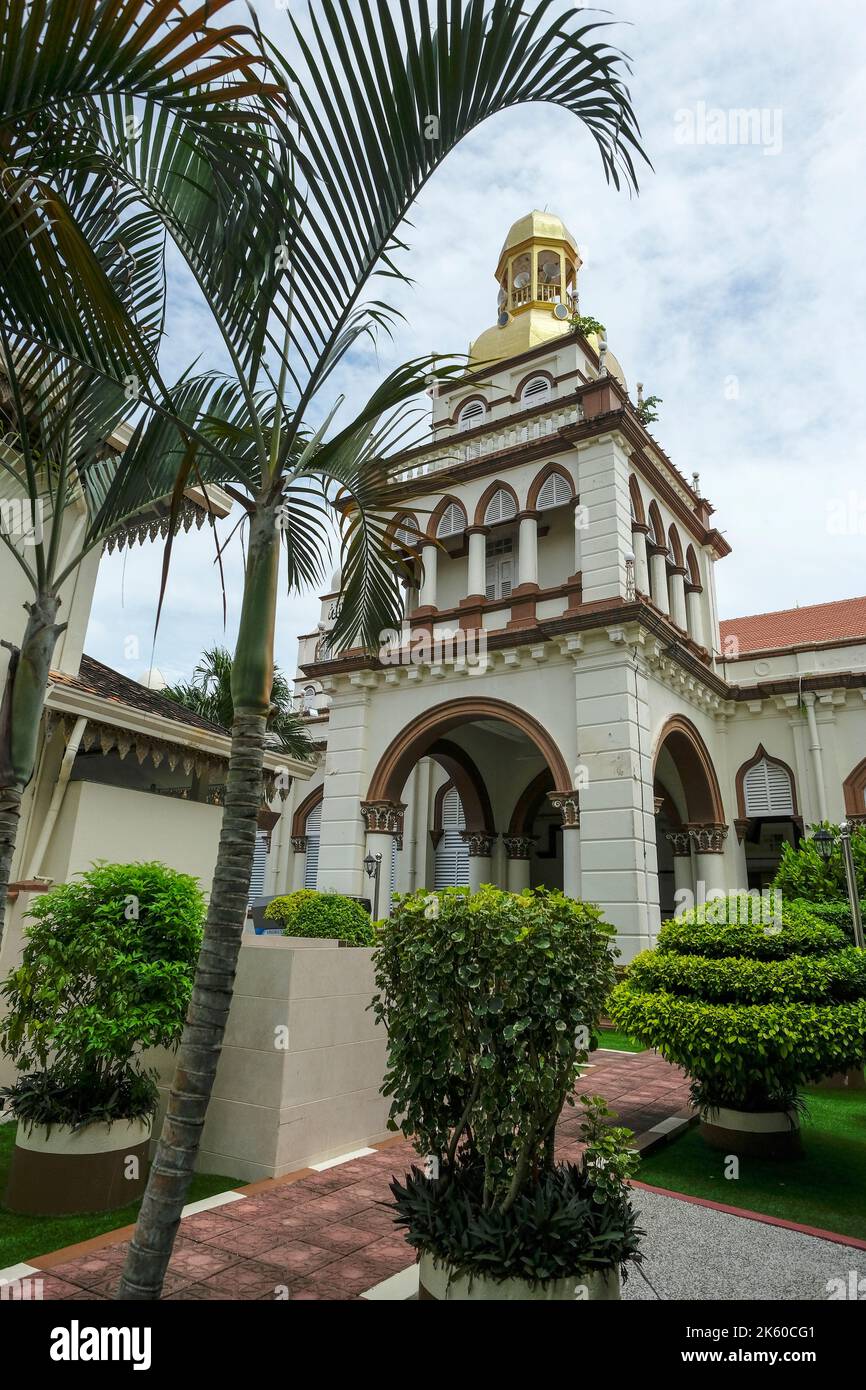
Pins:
x,y
472,414
555,492
501,507
260,867
767,790
313,830
536,391
452,522
451,868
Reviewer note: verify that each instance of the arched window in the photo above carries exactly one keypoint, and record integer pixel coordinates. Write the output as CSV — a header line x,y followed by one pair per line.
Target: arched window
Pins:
x,y
767,789
451,868
407,531
471,414
452,521
536,390
309,703
657,530
501,507
312,831
555,492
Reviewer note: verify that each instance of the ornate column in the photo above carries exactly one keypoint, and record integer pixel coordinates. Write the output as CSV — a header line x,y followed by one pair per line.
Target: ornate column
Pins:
x,y
677,595
480,843
568,805
299,861
639,531
658,576
681,844
695,614
518,850
383,822
429,559
477,576
709,843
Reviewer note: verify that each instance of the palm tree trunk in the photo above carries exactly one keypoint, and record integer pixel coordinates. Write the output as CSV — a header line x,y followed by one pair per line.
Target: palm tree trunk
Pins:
x,y
20,716
201,1044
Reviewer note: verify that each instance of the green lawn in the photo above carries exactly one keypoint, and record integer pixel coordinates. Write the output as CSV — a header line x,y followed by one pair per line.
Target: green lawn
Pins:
x,y
619,1042
823,1187
25,1237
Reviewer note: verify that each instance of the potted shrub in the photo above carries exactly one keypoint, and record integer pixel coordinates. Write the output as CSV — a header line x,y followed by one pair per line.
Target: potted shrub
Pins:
x,y
106,973
324,915
491,1001
752,1009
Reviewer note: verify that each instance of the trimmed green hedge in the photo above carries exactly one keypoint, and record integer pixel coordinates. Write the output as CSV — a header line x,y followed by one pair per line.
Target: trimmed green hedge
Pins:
x,y
323,915
838,914
750,1010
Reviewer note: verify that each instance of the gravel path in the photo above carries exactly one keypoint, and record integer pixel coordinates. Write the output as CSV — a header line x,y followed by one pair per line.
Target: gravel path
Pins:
x,y
694,1252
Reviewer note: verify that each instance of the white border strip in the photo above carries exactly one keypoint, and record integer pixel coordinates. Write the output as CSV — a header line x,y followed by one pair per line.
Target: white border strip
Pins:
x,y
398,1289
11,1273
341,1158
219,1199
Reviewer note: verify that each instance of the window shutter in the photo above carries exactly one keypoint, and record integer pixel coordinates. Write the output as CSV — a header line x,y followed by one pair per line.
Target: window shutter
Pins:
x,y
407,531
313,831
555,492
451,869
767,790
536,390
471,414
260,867
501,507
452,522
505,578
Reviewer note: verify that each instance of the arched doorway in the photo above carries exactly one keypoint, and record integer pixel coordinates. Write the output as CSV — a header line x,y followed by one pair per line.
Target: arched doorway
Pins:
x,y
491,752
690,826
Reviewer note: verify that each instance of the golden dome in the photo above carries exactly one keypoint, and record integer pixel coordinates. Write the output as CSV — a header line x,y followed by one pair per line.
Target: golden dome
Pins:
x,y
537,226
524,331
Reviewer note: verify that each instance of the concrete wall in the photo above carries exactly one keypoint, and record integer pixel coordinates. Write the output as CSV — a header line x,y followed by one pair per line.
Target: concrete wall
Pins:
x,y
298,1080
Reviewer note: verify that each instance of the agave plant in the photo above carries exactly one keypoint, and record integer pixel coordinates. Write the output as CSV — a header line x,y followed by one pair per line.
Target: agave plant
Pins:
x,y
378,103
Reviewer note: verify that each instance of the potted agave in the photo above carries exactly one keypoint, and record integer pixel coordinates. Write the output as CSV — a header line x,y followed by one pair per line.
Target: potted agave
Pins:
x,y
491,1001
106,973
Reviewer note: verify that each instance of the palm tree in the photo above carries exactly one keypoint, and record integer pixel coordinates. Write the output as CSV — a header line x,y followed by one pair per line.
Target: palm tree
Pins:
x,y
209,694
378,108
83,281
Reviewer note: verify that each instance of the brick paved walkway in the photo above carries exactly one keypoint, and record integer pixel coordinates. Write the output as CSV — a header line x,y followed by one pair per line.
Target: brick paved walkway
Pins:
x,y
324,1235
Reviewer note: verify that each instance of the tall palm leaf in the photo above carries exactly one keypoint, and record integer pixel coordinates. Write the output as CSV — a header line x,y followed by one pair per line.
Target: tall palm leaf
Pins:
x,y
209,694
363,92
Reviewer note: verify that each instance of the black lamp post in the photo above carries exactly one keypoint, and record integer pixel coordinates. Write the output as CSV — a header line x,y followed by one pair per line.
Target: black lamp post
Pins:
x,y
373,865
825,841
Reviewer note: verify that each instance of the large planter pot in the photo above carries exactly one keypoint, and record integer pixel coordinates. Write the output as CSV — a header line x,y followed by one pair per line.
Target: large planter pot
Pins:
x,y
753,1134
439,1282
60,1171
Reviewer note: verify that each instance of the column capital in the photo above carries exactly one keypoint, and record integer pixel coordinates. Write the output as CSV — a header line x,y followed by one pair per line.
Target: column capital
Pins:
x,y
479,842
709,838
299,844
518,846
680,842
383,817
568,804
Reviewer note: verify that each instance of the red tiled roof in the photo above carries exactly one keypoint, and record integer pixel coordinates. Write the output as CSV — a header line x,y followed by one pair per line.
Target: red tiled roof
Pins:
x,y
95,679
797,627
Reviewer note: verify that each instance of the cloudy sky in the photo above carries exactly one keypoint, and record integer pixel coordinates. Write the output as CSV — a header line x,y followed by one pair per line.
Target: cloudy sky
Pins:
x,y
732,287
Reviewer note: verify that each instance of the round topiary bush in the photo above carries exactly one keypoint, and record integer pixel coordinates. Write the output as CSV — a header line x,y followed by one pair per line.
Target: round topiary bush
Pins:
x,y
751,1009
324,915
107,972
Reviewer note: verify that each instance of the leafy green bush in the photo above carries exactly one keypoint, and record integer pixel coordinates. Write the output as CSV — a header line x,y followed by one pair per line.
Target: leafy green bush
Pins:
x,y
752,1011
803,873
107,972
491,1001
837,914
324,915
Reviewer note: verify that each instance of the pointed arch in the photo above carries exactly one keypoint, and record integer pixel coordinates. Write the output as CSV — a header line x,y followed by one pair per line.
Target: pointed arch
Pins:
x,y
775,784
527,804
695,768
854,788
487,497
304,810
657,527
675,547
445,502
550,470
638,515
694,569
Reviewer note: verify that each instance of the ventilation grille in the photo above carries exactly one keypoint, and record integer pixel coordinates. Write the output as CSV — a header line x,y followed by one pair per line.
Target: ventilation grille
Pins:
x,y
555,492
501,507
452,522
767,790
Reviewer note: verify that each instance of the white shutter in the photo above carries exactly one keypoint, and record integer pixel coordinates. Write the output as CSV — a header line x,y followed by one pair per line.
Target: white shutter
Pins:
x,y
472,414
767,790
452,522
536,390
451,868
312,832
407,531
260,867
501,507
555,492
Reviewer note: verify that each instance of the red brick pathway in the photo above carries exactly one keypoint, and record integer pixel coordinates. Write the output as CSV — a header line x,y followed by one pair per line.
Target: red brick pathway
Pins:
x,y
326,1235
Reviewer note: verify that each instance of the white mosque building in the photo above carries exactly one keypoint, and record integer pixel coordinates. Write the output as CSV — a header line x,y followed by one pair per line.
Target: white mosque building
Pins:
x,y
563,706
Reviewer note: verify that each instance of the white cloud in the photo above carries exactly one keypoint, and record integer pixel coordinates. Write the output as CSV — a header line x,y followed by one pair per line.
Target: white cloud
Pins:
x,y
731,264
